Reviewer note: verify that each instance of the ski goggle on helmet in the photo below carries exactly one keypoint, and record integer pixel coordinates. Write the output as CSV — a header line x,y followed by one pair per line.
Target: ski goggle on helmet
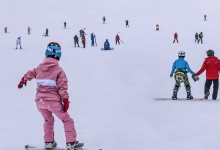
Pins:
x,y
181,54
53,50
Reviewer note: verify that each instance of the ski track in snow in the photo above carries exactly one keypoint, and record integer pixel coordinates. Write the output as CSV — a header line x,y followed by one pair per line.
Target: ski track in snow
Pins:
x,y
111,92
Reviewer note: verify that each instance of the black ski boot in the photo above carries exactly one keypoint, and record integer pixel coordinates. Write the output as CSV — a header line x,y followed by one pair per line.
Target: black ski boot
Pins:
x,y
189,96
206,95
174,97
50,145
74,145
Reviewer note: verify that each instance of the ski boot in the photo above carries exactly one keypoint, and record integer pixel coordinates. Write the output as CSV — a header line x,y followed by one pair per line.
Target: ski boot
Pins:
x,y
189,96
50,145
206,95
174,97
20,47
74,145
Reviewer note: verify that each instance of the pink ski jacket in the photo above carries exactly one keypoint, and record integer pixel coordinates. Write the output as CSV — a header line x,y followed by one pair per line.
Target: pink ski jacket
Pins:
x,y
51,80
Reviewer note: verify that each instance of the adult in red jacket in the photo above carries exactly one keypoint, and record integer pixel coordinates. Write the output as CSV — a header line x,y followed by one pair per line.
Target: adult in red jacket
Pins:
x,y
117,39
212,67
84,41
175,38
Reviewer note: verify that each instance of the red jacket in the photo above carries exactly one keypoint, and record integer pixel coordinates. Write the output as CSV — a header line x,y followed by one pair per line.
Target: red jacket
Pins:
x,y
212,67
175,35
117,38
83,38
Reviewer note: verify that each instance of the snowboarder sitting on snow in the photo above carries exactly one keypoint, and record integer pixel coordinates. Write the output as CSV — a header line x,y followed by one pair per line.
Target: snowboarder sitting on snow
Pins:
x,y
175,38
92,39
18,42
76,40
117,39
157,27
200,38
181,67
212,67
52,97
106,45
196,37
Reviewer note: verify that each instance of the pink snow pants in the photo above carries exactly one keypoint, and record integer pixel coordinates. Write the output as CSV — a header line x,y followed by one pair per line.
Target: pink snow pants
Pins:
x,y
46,108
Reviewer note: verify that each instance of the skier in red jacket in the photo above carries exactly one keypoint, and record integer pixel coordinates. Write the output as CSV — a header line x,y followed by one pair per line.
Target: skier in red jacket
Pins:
x,y
212,67
117,39
175,38
84,41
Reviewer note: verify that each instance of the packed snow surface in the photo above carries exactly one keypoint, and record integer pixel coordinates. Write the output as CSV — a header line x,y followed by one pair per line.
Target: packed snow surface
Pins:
x,y
111,92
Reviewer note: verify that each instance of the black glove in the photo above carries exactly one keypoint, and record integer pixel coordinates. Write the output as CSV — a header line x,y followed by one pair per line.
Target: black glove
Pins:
x,y
195,78
171,75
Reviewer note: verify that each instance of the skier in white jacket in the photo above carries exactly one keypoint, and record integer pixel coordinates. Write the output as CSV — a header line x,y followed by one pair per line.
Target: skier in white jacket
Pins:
x,y
18,42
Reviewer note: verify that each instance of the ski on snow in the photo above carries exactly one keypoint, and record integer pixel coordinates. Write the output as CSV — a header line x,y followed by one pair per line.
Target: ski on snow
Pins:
x,y
179,99
33,147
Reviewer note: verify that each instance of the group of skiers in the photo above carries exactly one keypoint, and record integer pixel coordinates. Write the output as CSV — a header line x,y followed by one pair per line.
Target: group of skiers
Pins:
x,y
198,37
181,67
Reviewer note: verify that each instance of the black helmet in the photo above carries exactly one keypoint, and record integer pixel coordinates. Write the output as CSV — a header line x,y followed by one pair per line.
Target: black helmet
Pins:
x,y
210,53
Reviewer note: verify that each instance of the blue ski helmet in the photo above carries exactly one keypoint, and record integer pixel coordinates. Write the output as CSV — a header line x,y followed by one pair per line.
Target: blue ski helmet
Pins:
x,y
53,50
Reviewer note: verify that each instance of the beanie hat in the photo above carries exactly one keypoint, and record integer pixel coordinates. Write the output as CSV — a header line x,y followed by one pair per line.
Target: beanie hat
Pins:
x,y
53,50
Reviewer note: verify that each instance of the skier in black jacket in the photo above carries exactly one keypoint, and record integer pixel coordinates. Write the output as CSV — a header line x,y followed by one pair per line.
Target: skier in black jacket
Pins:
x,y
196,37
64,24
76,40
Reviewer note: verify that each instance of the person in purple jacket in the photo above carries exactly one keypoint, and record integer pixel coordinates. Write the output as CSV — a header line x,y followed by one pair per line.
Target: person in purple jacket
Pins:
x,y
52,97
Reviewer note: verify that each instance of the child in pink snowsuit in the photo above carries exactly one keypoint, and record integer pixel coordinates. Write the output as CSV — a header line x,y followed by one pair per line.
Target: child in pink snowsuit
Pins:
x,y
52,96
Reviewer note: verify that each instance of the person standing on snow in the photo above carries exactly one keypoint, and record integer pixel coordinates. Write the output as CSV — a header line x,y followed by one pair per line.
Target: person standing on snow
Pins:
x,y
200,38
181,67
126,23
46,33
117,39
84,41
64,24
18,42
196,37
175,38
52,97
157,27
212,67
103,19
5,29
29,30
205,17
76,40
92,39
106,45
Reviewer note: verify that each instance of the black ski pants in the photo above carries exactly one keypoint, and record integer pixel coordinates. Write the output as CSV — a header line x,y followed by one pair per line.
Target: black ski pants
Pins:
x,y
76,42
84,44
208,84
199,40
196,40
117,41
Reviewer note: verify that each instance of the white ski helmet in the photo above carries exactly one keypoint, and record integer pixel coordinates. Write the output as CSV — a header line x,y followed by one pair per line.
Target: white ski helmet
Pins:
x,y
181,54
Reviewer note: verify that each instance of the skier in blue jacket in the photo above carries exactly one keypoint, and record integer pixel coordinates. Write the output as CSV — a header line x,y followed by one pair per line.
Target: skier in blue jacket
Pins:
x,y
181,66
92,39
106,45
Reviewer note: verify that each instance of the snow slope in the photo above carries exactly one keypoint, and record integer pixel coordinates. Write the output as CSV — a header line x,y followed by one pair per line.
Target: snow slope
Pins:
x,y
111,92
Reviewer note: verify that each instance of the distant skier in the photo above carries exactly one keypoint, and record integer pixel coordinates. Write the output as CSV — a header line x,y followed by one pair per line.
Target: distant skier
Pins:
x,y
212,67
82,32
64,24
76,40
157,27
84,41
46,33
117,39
181,67
106,45
5,29
103,19
29,30
92,39
175,38
126,23
200,37
52,97
18,42
205,17
196,37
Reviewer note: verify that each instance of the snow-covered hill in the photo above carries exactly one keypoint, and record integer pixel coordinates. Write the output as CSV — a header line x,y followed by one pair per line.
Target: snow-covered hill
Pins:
x,y
111,92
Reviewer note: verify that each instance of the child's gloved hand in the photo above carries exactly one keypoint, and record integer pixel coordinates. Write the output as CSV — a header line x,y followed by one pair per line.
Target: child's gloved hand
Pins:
x,y
22,82
65,104
171,75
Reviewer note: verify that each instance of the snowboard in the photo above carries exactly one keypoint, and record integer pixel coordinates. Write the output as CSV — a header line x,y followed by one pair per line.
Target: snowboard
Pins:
x,y
107,50
179,99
